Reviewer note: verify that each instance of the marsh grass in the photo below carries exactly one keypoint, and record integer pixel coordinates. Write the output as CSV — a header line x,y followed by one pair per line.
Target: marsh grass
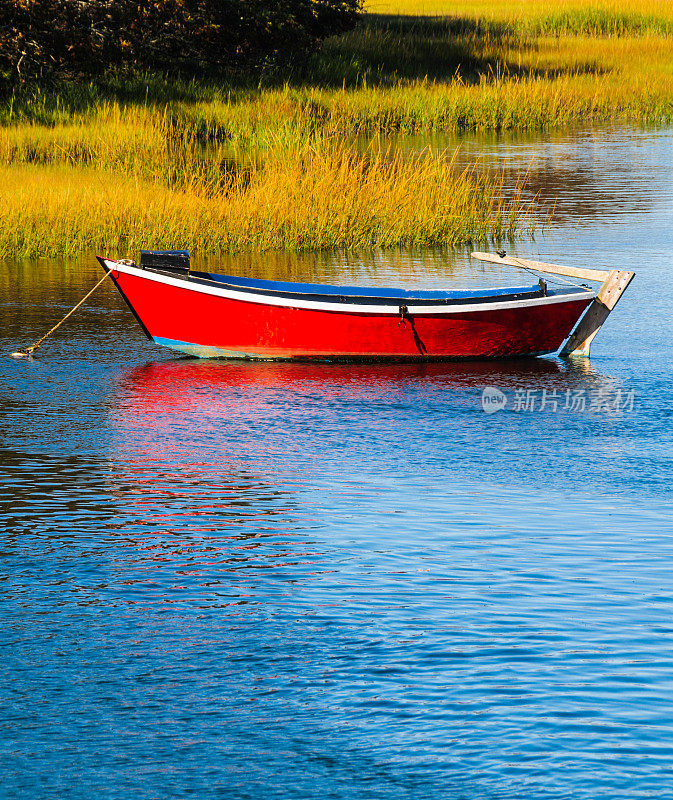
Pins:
x,y
138,160
577,17
319,197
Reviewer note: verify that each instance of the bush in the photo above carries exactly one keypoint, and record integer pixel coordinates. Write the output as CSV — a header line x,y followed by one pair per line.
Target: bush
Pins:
x,y
39,38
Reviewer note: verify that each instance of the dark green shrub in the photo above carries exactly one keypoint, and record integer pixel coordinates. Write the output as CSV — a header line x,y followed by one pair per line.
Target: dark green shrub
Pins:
x,y
41,38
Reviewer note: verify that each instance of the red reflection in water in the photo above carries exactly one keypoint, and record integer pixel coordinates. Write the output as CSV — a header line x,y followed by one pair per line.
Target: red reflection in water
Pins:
x,y
185,425
210,457
191,385
183,408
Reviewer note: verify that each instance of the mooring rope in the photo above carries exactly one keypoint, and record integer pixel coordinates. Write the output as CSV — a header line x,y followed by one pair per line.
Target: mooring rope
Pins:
x,y
29,351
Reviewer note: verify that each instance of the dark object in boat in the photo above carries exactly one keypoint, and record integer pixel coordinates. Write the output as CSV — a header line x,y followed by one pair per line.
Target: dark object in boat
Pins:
x,y
171,261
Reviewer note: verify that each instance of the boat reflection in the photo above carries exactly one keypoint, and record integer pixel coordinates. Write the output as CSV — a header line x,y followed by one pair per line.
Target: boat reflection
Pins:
x,y
221,467
282,420
186,426
206,389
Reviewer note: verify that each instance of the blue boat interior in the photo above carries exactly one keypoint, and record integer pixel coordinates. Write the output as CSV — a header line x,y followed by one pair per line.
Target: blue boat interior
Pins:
x,y
360,291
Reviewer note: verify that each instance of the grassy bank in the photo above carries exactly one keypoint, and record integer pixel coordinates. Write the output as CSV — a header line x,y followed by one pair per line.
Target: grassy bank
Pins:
x,y
317,198
126,162
120,177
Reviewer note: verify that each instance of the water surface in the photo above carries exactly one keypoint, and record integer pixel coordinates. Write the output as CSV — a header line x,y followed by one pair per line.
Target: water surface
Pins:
x,y
291,581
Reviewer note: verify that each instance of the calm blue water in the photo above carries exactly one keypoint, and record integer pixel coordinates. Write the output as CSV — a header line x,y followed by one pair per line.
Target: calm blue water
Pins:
x,y
295,581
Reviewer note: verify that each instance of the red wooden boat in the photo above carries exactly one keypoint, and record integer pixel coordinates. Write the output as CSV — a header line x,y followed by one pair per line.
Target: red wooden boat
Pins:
x,y
209,315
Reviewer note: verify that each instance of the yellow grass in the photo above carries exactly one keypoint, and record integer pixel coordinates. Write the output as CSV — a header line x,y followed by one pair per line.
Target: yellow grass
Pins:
x,y
528,12
319,198
228,168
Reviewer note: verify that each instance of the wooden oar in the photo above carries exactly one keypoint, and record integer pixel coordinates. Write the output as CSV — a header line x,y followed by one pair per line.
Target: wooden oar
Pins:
x,y
614,285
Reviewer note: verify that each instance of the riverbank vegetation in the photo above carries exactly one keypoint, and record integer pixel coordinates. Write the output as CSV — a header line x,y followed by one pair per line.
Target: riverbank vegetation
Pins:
x,y
317,198
297,157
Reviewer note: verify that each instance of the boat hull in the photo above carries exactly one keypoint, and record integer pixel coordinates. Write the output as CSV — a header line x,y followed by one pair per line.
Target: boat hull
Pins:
x,y
207,321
